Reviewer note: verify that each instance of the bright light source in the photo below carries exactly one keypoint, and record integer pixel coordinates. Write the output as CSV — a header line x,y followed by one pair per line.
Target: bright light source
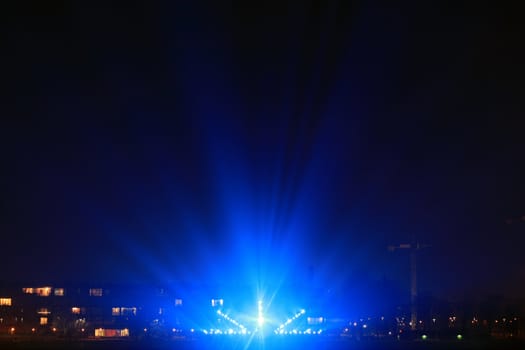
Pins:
x,y
424,337
260,317
459,336
217,302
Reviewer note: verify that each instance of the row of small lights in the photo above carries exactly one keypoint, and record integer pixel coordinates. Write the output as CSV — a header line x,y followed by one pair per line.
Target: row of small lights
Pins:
x,y
244,332
13,329
290,320
281,330
220,313
296,331
229,331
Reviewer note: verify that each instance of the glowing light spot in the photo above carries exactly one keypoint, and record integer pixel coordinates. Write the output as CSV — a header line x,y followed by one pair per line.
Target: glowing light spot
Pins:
x,y
260,317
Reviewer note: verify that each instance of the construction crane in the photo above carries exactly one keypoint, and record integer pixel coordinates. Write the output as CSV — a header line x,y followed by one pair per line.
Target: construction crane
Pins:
x,y
413,247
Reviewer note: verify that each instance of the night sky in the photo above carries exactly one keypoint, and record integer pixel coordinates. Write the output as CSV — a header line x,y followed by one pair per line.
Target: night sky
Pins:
x,y
217,142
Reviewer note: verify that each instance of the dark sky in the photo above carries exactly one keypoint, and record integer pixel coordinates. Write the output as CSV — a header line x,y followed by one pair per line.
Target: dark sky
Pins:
x,y
197,140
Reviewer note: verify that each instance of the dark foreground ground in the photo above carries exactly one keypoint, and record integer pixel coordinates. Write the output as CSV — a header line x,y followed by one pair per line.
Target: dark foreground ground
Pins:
x,y
232,343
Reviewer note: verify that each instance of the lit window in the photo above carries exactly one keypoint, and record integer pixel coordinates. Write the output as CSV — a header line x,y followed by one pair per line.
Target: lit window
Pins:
x,y
124,311
43,321
217,302
5,301
128,311
43,311
178,302
95,292
43,291
315,320
59,292
101,332
75,310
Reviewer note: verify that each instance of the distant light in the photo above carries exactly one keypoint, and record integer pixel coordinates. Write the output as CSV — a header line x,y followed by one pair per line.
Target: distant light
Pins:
x,y
260,317
424,337
459,336
364,326
217,302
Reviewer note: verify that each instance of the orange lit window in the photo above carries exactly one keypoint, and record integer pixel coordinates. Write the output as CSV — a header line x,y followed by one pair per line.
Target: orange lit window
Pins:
x,y
75,310
95,292
43,311
59,292
5,301
101,332
124,311
43,291
40,291
43,321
